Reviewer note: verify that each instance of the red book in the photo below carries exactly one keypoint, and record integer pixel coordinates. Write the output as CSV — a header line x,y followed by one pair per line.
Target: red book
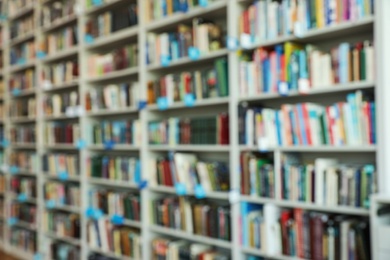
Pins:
x,y
297,129
285,217
167,174
331,122
298,216
246,21
307,123
187,83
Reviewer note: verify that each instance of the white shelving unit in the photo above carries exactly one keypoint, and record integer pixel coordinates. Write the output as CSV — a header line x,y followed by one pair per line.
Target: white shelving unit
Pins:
x,y
230,9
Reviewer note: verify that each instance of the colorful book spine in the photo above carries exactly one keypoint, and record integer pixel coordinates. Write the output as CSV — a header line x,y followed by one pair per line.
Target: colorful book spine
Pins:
x,y
25,80
62,224
61,133
23,186
117,132
62,194
23,134
24,161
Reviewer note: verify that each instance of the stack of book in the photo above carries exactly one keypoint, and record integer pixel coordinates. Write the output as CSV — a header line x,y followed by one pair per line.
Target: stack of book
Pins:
x,y
296,67
23,134
266,20
61,40
24,212
204,35
57,163
117,168
25,80
114,203
60,250
24,161
15,6
344,123
61,224
22,27
24,108
196,216
23,239
113,97
23,186
63,72
61,133
118,132
56,11
120,240
206,83
112,21
60,104
62,193
167,248
257,175
199,130
22,53
187,169
119,59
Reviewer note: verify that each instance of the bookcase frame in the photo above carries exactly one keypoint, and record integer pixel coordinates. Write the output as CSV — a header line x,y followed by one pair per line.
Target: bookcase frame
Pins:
x,y
379,22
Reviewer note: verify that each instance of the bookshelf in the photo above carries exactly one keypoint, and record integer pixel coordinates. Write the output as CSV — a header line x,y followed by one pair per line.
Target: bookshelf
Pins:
x,y
46,86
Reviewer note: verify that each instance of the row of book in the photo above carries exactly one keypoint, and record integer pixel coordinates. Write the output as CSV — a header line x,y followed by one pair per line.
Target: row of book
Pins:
x,y
24,108
120,240
112,21
22,27
60,250
119,59
56,11
25,80
203,35
24,185
113,97
22,53
62,193
2,111
168,248
196,216
206,83
117,132
304,234
200,130
59,104
62,72
17,5
24,212
3,182
2,211
25,161
65,133
115,203
23,239
344,123
187,169
57,163
61,40
23,134
116,168
62,224
296,67
267,20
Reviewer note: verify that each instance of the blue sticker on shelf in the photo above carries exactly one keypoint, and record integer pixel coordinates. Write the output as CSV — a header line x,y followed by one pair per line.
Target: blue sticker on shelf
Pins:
x,y
5,143
232,43
143,184
41,54
14,169
180,189
97,2
193,53
80,144
117,220
162,103
12,221
38,256
203,3
199,192
50,204
89,39
63,175
16,91
89,212
109,144
97,214
142,104
21,61
22,197
165,60
189,99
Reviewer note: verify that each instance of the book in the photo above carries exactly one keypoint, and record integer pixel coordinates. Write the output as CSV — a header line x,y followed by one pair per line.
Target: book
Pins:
x,y
61,133
61,72
23,134
24,108
25,80
117,132
54,164
60,249
22,27
60,40
61,104
62,224
22,53
54,12
23,213
61,193
23,239
23,185
24,161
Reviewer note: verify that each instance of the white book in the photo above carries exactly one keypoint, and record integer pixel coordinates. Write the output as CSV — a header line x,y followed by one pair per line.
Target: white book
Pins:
x,y
102,225
370,68
183,163
272,229
249,119
320,165
170,85
201,168
243,78
345,226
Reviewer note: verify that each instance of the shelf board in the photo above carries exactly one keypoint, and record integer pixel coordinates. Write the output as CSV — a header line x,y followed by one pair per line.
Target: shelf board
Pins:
x,y
186,60
22,12
25,173
108,254
127,222
258,252
104,7
193,148
351,86
103,41
114,75
63,21
210,195
116,147
25,93
24,145
55,177
63,86
60,117
22,38
179,17
73,51
70,147
324,148
381,198
69,240
110,112
22,120
112,183
20,67
67,208
189,236
308,206
28,200
198,103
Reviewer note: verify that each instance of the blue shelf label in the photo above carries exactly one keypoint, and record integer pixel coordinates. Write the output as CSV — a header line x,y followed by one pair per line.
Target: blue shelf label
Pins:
x,y
199,191
232,43
143,184
22,197
142,104
94,213
203,3
165,60
117,220
63,175
193,53
180,189
109,144
38,256
189,100
50,204
5,143
89,39
80,144
14,169
21,61
41,54
12,221
162,103
97,2
16,91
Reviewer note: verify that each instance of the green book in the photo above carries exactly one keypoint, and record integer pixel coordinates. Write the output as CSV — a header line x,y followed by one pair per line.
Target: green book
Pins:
x,y
222,76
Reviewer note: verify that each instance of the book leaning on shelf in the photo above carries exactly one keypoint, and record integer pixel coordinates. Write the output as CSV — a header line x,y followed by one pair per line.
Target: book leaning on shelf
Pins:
x,y
59,250
169,249
343,123
23,134
61,133
23,212
60,73
23,108
61,104
22,53
117,132
62,224
25,80
23,239
56,11
187,169
199,130
25,186
57,163
24,161
267,20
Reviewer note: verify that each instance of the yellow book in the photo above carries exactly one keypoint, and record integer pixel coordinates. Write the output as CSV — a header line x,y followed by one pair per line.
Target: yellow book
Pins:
x,y
289,48
320,13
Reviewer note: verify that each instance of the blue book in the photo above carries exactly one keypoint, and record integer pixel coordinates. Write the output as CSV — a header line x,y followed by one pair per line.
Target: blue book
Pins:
x,y
358,189
278,128
293,126
355,126
137,173
373,120
343,62
245,209
303,72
